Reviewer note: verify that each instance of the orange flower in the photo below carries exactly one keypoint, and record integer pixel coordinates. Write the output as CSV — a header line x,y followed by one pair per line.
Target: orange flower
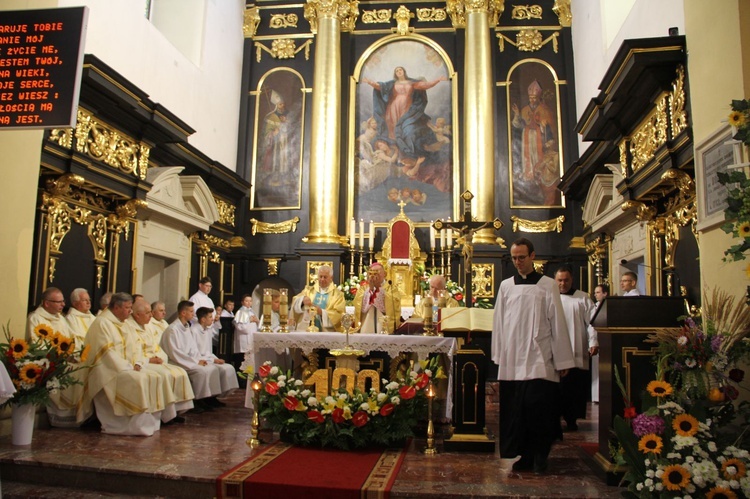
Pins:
x,y
30,373
685,425
44,331
658,388
736,118
675,477
739,466
650,443
720,493
85,353
19,348
65,345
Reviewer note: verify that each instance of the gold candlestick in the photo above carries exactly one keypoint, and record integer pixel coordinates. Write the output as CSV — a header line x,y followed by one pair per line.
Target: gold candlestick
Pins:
x,y
256,386
430,449
267,299
429,329
283,310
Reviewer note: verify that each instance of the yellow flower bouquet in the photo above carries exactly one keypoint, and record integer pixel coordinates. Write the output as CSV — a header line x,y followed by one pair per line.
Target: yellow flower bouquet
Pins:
x,y
40,367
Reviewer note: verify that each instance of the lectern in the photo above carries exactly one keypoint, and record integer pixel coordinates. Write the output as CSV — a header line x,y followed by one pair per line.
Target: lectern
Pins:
x,y
623,324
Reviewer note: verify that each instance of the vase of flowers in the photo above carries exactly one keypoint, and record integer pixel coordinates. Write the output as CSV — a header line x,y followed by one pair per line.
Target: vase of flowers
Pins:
x,y
350,286
37,369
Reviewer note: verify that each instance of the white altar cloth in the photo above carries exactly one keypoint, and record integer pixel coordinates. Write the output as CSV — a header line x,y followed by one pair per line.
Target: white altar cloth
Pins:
x,y
265,344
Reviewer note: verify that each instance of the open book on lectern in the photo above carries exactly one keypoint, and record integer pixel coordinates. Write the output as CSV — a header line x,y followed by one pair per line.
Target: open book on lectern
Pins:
x,y
466,319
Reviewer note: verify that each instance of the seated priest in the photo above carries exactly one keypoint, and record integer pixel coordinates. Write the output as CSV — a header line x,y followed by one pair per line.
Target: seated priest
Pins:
x,y
439,295
62,407
128,398
377,299
79,316
203,334
326,297
178,394
181,347
158,314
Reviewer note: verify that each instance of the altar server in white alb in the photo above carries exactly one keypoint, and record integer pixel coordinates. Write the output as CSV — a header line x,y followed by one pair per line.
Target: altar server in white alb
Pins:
x,y
202,331
530,344
578,308
326,297
245,323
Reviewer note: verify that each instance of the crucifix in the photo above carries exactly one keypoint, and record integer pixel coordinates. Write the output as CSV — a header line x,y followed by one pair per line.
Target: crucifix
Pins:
x,y
466,228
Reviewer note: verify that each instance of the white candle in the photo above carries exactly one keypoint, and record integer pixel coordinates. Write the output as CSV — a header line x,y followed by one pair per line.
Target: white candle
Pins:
x,y
361,233
432,236
372,236
442,239
352,230
450,235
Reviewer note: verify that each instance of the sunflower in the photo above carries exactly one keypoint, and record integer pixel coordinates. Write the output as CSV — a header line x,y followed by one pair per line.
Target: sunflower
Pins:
x,y
743,229
658,388
736,118
55,339
675,477
19,348
739,466
85,353
650,443
720,493
65,345
30,373
44,331
685,425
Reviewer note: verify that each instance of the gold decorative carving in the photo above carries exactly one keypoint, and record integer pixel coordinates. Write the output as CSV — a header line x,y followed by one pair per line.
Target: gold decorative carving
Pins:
x,y
106,144
564,15
482,280
496,8
97,232
577,242
521,12
624,158
259,227
214,257
237,242
216,241
431,14
59,220
52,268
251,21
677,111
649,136
551,225
226,211
273,265
403,16
539,265
99,275
455,9
644,212
283,48
312,270
62,185
279,21
378,16
63,137
119,221
345,11
596,251
528,40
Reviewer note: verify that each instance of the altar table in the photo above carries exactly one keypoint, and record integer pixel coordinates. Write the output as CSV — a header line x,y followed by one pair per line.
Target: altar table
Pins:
x,y
263,344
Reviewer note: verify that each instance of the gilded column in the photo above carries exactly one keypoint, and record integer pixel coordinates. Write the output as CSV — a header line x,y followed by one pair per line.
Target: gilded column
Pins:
x,y
327,19
477,16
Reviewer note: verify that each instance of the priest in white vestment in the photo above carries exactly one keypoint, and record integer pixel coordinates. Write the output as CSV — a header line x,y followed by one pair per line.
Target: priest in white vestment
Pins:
x,y
79,315
377,299
178,392
531,347
63,402
158,318
578,308
329,302
128,398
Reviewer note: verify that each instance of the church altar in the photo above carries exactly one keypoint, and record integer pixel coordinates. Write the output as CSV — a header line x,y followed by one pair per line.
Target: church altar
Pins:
x,y
263,346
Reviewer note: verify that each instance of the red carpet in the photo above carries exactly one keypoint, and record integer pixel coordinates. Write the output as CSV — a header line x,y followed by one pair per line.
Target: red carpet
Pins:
x,y
286,471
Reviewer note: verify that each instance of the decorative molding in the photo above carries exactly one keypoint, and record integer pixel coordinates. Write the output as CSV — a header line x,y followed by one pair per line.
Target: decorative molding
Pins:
x,y
279,21
273,265
552,225
528,40
63,137
107,144
283,48
217,241
564,15
378,16
345,11
457,10
226,211
522,12
119,221
62,185
251,21
677,111
624,158
259,227
431,14
649,136
482,280
403,16
644,212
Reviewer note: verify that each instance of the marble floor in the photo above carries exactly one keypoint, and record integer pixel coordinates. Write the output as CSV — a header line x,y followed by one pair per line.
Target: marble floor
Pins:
x,y
183,460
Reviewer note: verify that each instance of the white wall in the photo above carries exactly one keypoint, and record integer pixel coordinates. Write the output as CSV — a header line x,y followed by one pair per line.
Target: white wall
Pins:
x,y
205,95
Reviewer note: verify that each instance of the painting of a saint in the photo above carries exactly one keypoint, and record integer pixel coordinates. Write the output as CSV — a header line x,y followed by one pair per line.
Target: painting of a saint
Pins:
x,y
535,138
277,160
404,146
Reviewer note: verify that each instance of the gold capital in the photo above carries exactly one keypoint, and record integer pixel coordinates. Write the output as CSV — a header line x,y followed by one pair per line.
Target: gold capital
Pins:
x,y
457,9
345,11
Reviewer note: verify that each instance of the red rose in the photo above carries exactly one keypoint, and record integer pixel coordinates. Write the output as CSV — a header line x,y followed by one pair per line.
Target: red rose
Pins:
x,y
290,403
338,415
630,412
737,375
422,380
387,409
353,290
360,418
264,370
458,296
315,416
407,392
272,388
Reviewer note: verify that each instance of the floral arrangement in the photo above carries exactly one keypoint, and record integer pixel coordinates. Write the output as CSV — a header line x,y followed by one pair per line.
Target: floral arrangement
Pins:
x,y
345,420
737,212
674,452
739,118
350,287
40,367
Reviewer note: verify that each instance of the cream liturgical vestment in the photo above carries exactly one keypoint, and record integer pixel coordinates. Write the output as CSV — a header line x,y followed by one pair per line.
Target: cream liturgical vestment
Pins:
x,y
159,327
63,402
371,305
243,327
331,301
177,383
578,308
79,323
128,402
